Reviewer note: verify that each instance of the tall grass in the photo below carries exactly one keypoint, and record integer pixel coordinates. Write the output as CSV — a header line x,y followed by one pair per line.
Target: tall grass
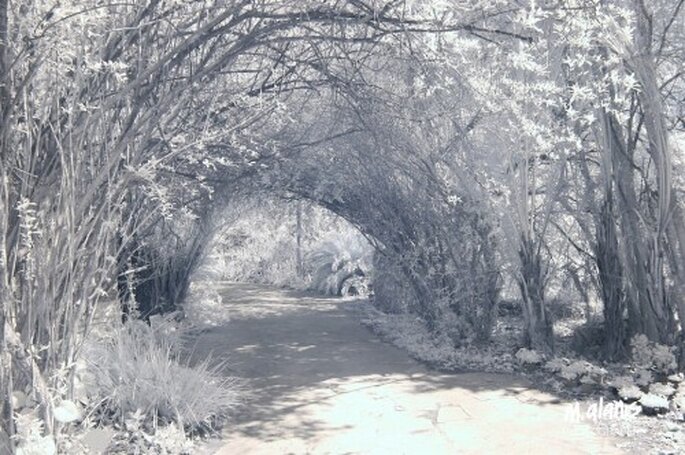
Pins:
x,y
138,372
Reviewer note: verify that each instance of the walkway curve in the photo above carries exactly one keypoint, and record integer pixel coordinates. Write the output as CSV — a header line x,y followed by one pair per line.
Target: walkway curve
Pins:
x,y
321,383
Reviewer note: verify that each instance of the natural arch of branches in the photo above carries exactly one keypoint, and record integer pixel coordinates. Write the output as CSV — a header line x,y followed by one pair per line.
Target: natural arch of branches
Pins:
x,y
124,128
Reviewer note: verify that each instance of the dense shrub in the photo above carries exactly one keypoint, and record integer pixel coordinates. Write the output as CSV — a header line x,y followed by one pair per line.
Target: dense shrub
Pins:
x,y
337,262
651,356
138,373
391,292
588,339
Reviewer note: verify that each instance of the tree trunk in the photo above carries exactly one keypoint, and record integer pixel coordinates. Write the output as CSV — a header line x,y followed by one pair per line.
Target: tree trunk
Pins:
x,y
641,260
6,411
611,279
539,334
299,266
676,258
655,315
608,256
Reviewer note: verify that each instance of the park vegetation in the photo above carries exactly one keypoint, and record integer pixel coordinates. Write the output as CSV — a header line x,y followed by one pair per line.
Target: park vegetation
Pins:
x,y
475,150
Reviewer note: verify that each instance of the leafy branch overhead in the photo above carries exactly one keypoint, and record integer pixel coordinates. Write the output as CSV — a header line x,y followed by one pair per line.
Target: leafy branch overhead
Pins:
x,y
479,151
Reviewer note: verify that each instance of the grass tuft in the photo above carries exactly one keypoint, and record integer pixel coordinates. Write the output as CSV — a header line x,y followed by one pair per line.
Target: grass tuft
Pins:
x,y
137,373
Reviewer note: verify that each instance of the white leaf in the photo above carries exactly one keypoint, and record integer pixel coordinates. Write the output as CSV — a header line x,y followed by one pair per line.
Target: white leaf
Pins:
x,y
67,412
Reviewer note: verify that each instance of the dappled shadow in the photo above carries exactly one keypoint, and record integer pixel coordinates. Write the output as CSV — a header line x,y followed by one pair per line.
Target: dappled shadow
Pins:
x,y
306,361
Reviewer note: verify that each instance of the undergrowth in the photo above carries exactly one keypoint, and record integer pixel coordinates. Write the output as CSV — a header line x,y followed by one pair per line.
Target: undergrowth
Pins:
x,y
411,334
139,375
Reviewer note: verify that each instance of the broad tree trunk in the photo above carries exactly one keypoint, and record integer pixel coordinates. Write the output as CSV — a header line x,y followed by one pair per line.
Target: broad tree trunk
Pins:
x,y
668,211
676,261
607,249
539,334
644,228
6,411
611,280
640,253
634,249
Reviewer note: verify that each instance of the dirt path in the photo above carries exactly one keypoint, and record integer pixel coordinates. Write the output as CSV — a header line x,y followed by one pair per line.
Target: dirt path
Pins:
x,y
321,383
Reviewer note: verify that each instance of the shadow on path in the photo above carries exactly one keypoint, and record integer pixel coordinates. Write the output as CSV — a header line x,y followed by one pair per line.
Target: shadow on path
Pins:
x,y
320,382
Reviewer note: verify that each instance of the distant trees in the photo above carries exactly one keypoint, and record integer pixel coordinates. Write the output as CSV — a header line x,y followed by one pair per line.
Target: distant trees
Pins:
x,y
393,172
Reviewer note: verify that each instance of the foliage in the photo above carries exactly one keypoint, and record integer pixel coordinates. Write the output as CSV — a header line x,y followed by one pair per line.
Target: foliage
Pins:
x,y
120,126
468,144
402,186
259,244
391,291
30,438
653,356
528,356
664,390
256,244
137,374
336,262
408,332
204,306
582,370
166,440
630,393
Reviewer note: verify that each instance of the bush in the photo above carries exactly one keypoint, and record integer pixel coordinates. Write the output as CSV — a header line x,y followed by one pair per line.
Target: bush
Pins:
x,y
138,373
509,307
562,307
390,290
652,356
408,332
457,329
337,262
528,357
588,339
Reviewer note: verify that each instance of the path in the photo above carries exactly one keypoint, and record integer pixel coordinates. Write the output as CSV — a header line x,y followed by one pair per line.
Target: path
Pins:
x,y
323,384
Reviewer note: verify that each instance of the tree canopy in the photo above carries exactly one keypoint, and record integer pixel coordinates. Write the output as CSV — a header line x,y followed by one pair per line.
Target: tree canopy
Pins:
x,y
475,143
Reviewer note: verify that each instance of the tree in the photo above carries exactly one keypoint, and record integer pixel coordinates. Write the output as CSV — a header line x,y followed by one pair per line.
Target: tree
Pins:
x,y
105,108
